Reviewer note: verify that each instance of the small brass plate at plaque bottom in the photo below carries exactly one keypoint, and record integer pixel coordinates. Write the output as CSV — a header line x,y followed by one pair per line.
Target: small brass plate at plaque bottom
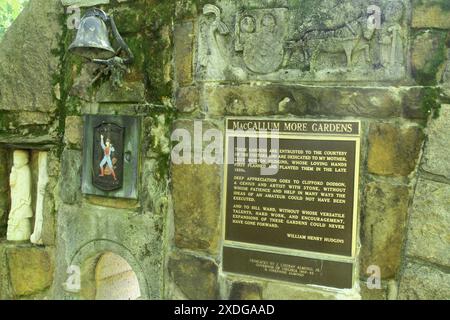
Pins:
x,y
288,268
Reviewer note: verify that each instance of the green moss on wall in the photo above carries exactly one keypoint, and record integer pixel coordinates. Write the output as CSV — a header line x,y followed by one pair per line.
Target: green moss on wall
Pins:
x,y
436,57
444,4
430,102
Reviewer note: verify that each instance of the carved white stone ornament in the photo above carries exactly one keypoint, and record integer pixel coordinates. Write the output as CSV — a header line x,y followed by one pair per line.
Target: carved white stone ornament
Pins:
x,y
36,237
19,222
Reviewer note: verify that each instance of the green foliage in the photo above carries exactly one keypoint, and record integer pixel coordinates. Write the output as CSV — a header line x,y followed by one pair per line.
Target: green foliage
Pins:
x,y
9,10
430,101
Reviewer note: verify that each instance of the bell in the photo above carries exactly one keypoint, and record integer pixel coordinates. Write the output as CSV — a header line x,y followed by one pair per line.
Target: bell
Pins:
x,y
92,39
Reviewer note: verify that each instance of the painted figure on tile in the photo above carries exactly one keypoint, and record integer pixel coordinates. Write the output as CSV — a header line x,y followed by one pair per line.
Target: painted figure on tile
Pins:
x,y
108,150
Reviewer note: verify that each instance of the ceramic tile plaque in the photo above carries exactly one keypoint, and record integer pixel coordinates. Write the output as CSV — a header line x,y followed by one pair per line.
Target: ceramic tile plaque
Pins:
x,y
111,156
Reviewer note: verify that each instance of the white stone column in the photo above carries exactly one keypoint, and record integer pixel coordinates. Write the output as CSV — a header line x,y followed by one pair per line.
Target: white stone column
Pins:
x,y
36,237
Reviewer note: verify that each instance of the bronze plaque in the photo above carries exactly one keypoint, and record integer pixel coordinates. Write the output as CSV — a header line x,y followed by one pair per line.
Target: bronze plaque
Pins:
x,y
308,204
288,268
108,157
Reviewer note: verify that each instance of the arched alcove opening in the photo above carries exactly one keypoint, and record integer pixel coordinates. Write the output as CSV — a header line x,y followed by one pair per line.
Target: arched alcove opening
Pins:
x,y
115,279
108,271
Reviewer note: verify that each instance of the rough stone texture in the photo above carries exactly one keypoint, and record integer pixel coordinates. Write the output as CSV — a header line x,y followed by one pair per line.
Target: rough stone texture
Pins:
x,y
428,56
31,270
83,3
383,227
27,65
49,224
431,14
195,277
183,52
73,134
87,230
136,229
195,190
280,291
298,100
421,282
187,99
129,92
412,103
226,51
196,196
428,232
372,294
4,191
393,151
5,290
245,291
70,180
436,158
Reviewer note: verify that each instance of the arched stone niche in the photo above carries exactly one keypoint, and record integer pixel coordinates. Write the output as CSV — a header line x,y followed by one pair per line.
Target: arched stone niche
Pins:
x,y
109,271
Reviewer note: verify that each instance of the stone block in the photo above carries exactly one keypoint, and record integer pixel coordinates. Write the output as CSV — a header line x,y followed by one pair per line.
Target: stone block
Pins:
x,y
393,151
73,134
245,291
183,52
4,194
247,100
5,290
431,14
429,225
70,178
281,291
421,282
372,294
129,92
383,227
28,63
196,277
196,196
83,3
412,103
428,56
31,270
187,99
436,158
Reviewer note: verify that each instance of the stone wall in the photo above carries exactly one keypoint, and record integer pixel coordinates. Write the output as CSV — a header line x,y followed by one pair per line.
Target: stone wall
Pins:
x,y
195,61
215,79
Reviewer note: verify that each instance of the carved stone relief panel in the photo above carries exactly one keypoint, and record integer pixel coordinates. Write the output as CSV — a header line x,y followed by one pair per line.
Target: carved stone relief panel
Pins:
x,y
303,41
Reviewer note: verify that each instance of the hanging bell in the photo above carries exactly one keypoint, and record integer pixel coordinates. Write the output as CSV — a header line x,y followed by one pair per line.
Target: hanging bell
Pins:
x,y
92,39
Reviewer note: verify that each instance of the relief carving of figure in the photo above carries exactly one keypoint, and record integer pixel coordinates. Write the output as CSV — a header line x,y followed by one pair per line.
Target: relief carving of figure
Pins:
x,y
391,38
36,237
212,50
215,59
328,33
261,36
19,222
332,41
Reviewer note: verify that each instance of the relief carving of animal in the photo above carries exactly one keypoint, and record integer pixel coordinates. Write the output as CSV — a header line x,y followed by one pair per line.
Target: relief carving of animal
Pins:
x,y
348,39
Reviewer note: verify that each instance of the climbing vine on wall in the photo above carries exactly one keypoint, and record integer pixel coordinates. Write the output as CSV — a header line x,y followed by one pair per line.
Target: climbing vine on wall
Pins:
x,y
9,10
